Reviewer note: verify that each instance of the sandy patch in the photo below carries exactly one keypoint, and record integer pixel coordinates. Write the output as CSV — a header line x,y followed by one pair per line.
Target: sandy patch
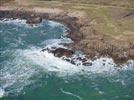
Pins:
x,y
47,10
77,14
3,8
128,32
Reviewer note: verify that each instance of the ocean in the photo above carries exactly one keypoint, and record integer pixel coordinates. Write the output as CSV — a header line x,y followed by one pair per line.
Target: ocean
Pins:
x,y
27,73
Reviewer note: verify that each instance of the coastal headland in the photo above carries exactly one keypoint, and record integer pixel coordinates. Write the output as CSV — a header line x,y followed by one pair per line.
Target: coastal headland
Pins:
x,y
97,30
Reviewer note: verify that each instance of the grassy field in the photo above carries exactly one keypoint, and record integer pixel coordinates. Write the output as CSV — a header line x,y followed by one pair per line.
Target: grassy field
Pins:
x,y
112,17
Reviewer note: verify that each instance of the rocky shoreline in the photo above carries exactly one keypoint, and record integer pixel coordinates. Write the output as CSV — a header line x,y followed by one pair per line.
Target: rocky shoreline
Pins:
x,y
99,45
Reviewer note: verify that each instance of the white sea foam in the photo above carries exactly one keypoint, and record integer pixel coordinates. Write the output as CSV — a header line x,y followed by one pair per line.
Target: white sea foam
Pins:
x,y
54,24
99,66
17,76
49,62
14,21
22,22
18,22
128,66
56,42
2,92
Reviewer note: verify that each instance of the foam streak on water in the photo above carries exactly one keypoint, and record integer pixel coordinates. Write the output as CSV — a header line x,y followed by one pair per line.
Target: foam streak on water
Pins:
x,y
71,94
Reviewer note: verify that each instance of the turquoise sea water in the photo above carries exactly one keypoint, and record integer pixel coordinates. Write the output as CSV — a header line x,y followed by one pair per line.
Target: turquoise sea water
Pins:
x,y
26,73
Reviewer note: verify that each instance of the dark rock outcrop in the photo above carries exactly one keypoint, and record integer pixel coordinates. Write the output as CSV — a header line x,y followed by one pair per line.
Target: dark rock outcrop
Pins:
x,y
59,52
35,20
87,64
129,14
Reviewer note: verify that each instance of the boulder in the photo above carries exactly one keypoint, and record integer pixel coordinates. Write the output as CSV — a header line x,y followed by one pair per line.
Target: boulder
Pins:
x,y
34,20
82,59
87,63
59,52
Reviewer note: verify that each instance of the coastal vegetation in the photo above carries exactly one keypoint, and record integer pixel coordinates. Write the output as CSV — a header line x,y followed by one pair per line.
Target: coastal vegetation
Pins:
x,y
110,16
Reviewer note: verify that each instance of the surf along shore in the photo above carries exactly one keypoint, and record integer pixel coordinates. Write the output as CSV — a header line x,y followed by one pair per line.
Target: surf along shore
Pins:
x,y
82,31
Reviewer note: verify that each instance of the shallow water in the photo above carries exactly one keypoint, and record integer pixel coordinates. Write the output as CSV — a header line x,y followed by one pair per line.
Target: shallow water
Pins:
x,y
26,73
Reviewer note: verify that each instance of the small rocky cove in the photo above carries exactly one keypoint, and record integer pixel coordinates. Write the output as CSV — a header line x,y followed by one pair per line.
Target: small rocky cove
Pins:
x,y
64,53
69,54
99,45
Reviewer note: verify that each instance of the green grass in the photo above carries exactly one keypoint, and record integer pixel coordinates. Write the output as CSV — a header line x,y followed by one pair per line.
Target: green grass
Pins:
x,y
107,14
123,3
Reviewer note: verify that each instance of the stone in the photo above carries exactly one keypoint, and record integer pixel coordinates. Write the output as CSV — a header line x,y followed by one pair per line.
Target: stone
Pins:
x,y
34,20
82,59
73,62
60,52
87,64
